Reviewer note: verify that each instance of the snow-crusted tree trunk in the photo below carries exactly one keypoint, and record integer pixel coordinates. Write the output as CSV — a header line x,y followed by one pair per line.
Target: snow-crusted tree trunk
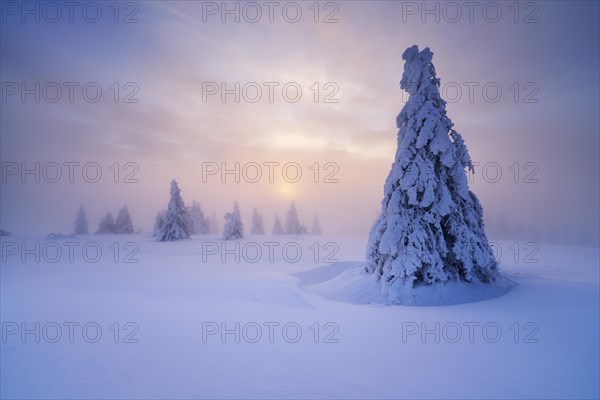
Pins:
x,y
234,228
430,229
316,226
123,222
81,222
277,228
177,223
257,227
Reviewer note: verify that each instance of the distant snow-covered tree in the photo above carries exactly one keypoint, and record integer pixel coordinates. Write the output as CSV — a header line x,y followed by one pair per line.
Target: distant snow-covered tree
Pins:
x,y
81,222
159,222
123,222
315,229
107,225
214,224
292,222
233,228
430,229
277,228
257,227
177,222
200,224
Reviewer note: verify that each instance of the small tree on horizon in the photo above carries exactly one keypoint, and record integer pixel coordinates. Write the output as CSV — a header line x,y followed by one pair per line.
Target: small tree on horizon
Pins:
x,y
292,222
159,222
107,225
316,226
200,224
430,228
277,228
177,224
257,227
123,222
81,222
233,228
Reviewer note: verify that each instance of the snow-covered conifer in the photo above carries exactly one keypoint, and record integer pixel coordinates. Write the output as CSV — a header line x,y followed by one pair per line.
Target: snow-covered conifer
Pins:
x,y
123,222
315,229
107,225
277,228
258,226
200,224
81,222
233,228
177,224
159,222
292,223
430,229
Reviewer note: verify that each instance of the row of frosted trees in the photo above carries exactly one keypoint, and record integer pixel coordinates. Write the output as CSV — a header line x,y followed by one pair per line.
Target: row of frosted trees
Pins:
x,y
193,218
179,222
234,228
108,224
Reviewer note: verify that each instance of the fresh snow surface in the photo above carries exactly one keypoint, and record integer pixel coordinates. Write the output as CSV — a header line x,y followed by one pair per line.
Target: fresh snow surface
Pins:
x,y
547,312
349,282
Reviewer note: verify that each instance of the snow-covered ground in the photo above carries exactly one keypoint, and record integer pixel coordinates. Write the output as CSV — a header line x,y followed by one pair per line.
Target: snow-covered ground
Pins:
x,y
181,323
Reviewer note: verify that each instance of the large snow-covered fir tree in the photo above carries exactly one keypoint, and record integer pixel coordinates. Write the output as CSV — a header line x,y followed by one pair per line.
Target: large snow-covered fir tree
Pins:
x,y
430,229
277,228
123,222
292,222
200,224
315,229
177,222
81,222
107,225
258,226
233,228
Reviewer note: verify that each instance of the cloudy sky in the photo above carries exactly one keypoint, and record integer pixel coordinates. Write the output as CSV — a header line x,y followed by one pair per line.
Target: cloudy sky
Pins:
x,y
522,86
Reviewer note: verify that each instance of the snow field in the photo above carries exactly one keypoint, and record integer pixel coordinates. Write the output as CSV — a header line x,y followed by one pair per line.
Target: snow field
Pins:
x,y
175,327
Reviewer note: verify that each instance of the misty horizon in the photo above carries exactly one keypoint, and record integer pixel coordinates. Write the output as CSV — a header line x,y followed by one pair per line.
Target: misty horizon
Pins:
x,y
168,117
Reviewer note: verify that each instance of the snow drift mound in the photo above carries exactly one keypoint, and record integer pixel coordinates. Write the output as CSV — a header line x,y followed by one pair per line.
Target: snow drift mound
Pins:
x,y
348,282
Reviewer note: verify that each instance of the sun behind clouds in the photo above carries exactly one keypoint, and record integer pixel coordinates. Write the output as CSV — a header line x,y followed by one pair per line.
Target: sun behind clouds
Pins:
x,y
286,190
